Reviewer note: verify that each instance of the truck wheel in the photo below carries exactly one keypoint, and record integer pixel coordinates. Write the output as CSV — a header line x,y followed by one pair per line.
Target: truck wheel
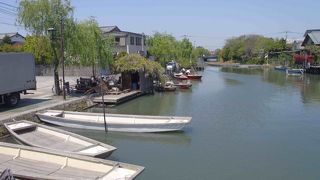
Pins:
x,y
12,99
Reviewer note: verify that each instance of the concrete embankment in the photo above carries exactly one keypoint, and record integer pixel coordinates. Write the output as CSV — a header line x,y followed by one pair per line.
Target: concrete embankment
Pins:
x,y
73,104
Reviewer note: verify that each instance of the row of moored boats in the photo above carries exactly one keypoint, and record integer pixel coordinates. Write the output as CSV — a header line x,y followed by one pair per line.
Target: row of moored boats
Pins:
x,y
53,153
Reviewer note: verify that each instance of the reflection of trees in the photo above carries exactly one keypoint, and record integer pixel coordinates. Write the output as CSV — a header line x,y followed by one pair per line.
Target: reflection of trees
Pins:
x,y
274,77
246,71
309,85
158,104
310,89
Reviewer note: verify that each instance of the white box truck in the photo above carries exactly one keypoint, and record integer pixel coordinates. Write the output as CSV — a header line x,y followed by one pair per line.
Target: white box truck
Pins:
x,y
17,75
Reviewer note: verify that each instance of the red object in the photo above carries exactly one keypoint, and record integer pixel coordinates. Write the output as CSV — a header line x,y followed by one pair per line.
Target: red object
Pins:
x,y
194,77
303,58
181,77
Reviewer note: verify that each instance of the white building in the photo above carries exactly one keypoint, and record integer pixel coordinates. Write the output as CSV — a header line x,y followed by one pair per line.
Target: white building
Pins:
x,y
126,41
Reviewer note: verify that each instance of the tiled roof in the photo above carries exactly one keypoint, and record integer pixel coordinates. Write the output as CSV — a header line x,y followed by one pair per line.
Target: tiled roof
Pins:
x,y
107,29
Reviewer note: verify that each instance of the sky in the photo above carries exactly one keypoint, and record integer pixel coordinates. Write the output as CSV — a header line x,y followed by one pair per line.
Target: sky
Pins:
x,y
206,23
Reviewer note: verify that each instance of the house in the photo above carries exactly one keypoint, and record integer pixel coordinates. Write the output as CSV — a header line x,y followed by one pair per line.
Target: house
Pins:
x,y
15,37
311,37
126,41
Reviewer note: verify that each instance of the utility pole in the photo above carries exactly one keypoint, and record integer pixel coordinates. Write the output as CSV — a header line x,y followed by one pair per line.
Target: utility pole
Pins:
x,y
62,56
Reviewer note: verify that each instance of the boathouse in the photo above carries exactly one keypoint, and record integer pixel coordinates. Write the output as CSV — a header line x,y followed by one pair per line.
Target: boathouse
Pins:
x,y
137,73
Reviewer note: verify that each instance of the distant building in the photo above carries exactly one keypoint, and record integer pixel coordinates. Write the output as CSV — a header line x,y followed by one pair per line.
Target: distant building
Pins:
x,y
126,41
297,45
15,37
311,37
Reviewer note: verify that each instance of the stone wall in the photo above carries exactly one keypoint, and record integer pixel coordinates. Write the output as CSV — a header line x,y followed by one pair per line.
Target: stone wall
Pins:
x,y
42,70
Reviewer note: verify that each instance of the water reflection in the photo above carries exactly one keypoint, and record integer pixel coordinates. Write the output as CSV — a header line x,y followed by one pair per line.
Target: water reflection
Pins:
x,y
308,85
245,71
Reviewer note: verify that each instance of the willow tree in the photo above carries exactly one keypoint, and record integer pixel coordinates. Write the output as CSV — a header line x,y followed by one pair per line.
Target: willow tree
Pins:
x,y
37,16
136,62
88,47
84,43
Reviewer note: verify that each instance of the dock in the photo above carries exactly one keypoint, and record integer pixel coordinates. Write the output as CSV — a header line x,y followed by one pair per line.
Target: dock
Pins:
x,y
114,99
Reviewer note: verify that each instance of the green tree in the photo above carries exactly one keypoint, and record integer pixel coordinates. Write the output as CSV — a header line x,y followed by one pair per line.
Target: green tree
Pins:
x,y
136,62
6,40
163,46
40,47
37,16
184,53
88,47
84,42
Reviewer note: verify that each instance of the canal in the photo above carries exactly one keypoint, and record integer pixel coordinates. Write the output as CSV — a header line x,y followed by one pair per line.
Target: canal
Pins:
x,y
247,124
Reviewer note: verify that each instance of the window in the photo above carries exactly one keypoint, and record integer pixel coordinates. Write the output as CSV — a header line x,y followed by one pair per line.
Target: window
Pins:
x,y
117,40
138,41
132,40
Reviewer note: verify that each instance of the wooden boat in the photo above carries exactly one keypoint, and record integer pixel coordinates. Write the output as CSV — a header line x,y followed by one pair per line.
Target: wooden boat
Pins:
x,y
194,76
169,86
115,122
183,85
27,162
180,76
295,72
42,136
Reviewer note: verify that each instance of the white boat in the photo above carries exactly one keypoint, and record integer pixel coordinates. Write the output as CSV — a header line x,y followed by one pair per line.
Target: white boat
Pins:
x,y
27,162
115,122
295,72
42,136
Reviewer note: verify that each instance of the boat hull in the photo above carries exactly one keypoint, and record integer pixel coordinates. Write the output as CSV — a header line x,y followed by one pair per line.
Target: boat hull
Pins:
x,y
194,77
142,128
36,163
53,139
295,72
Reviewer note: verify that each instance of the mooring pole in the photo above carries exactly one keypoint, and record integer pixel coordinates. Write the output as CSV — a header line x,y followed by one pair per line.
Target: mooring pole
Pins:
x,y
104,106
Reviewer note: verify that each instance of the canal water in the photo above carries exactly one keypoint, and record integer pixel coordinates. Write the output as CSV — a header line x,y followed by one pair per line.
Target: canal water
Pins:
x,y
246,124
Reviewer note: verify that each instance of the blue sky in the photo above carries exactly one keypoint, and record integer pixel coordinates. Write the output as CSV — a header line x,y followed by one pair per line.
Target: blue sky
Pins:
x,y
207,22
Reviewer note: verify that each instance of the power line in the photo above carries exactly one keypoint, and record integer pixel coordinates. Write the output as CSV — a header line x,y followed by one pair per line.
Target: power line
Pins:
x,y
4,11
8,5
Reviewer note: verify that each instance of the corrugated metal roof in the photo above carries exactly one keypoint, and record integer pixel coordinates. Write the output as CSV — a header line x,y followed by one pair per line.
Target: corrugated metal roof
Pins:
x,y
315,37
309,31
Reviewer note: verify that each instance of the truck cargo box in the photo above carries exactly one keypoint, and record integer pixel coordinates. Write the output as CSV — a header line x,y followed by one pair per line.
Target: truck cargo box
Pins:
x,y
17,72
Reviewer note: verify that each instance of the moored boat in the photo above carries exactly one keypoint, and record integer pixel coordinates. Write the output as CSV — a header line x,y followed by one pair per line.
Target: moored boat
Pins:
x,y
194,76
182,85
169,86
115,122
295,72
36,163
42,136
180,76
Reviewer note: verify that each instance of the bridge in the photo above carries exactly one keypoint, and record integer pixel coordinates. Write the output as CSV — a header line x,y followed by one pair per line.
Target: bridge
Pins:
x,y
210,58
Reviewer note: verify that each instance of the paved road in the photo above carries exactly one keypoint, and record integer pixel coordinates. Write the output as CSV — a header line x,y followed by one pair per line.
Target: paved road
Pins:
x,y
41,97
